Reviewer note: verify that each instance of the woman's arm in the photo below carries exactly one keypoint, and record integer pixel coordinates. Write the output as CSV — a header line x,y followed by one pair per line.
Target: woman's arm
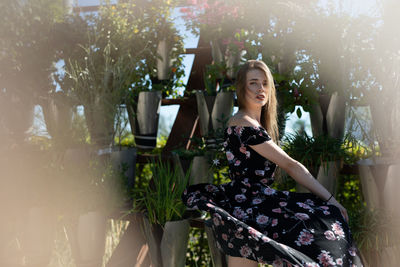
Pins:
x,y
297,171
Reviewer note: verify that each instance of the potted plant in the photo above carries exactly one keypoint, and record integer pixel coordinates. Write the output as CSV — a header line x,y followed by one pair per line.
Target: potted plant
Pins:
x,y
321,155
166,230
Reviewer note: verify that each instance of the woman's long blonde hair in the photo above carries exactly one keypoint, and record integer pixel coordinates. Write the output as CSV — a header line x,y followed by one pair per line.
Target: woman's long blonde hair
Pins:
x,y
269,110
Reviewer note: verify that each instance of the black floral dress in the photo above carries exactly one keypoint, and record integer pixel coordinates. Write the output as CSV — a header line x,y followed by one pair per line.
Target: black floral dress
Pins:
x,y
252,220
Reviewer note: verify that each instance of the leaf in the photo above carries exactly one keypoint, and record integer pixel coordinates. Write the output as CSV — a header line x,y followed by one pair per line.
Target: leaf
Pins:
x,y
298,112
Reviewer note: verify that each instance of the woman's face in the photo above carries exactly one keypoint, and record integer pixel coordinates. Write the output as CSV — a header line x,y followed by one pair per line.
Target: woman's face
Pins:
x,y
256,88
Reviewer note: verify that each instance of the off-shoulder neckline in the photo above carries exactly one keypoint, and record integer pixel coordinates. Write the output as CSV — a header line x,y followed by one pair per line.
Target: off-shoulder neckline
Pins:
x,y
233,126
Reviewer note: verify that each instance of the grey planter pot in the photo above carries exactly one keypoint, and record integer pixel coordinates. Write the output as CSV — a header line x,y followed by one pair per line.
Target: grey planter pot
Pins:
x,y
368,184
216,51
213,112
87,238
330,110
147,117
200,172
58,117
328,176
232,59
38,236
174,243
390,194
125,157
164,62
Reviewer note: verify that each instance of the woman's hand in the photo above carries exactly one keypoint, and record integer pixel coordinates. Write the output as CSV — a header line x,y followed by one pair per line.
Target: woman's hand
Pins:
x,y
333,201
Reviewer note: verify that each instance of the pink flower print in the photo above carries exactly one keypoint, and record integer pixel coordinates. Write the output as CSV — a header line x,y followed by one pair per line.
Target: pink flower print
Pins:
x,y
247,154
277,210
262,219
239,235
238,130
240,198
313,264
302,216
305,238
278,263
239,213
352,251
275,235
224,237
244,190
264,181
225,144
245,251
230,245
339,261
283,204
249,211
242,149
274,222
337,229
211,188
286,216
310,202
257,201
325,259
229,155
324,207
217,219
269,191
237,162
229,130
330,235
265,238
259,172
190,201
326,212
254,233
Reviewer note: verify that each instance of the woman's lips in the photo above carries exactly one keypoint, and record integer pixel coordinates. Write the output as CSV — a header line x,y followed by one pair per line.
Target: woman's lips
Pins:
x,y
260,97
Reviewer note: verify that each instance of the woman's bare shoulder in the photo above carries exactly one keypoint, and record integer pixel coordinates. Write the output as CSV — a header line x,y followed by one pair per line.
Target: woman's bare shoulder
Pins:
x,y
242,120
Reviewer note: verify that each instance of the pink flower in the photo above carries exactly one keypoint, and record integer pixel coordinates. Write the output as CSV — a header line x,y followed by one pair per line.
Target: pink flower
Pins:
x,y
264,181
265,238
337,229
242,149
240,198
305,238
237,163
245,251
229,155
259,172
277,210
269,191
224,237
302,216
262,219
326,212
275,235
254,233
216,219
325,259
257,201
274,222
282,204
211,188
239,213
330,235
230,245
229,130
339,261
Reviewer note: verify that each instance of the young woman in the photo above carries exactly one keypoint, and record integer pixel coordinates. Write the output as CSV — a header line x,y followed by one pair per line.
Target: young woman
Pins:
x,y
253,222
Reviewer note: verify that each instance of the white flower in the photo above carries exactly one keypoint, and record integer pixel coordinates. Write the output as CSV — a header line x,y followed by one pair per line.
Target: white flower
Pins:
x,y
216,162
